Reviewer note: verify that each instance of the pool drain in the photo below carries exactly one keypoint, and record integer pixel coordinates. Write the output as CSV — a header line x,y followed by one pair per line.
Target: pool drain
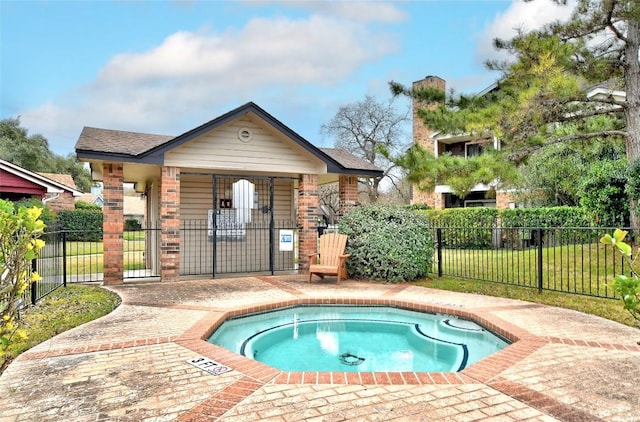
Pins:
x,y
351,360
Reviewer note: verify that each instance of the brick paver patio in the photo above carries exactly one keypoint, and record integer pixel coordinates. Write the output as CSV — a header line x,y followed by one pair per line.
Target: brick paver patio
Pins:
x,y
131,365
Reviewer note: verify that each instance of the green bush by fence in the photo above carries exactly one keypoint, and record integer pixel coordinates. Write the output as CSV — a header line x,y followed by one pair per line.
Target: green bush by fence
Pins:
x,y
547,217
477,221
479,224
81,224
387,243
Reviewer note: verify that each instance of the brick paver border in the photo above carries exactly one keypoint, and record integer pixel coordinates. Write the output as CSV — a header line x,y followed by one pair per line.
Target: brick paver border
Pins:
x,y
255,375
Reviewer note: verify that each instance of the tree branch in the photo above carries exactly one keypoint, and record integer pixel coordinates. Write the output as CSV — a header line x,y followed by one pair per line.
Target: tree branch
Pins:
x,y
523,152
610,24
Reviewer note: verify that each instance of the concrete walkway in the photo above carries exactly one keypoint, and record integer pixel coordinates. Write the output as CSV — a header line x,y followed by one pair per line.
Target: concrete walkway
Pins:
x,y
131,365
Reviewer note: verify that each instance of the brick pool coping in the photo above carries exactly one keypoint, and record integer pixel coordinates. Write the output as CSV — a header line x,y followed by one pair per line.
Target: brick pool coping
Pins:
x,y
522,345
486,371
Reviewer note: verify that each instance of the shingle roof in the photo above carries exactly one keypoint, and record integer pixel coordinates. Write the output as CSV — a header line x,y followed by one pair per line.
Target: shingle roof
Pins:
x,y
63,179
348,160
118,141
149,148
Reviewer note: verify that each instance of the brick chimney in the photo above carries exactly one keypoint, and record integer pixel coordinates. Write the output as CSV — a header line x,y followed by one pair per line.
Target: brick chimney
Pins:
x,y
422,136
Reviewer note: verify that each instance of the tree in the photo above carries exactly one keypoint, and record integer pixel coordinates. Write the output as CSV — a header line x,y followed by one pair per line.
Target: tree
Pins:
x,y
17,147
32,153
363,128
560,174
541,98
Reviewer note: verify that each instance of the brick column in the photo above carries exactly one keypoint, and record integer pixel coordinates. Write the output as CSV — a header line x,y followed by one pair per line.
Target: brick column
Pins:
x,y
347,193
308,206
170,224
503,199
113,223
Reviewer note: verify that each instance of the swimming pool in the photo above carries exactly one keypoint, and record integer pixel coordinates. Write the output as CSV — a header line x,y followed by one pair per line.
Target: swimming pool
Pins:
x,y
357,339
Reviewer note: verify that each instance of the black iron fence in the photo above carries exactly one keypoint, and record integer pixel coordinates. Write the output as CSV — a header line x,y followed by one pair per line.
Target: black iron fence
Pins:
x,y
77,256
570,260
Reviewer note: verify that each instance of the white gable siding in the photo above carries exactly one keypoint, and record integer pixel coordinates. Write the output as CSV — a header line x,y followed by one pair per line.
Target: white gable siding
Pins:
x,y
267,151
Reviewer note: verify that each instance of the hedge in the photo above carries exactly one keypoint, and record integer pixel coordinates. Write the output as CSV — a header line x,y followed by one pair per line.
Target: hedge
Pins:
x,y
476,224
81,224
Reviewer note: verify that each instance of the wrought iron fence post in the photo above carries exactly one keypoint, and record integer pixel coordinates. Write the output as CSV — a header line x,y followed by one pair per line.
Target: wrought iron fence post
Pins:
x,y
64,258
34,289
540,278
439,242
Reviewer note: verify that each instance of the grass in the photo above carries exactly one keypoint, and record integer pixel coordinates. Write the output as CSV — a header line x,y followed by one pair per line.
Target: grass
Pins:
x,y
63,309
577,268
606,308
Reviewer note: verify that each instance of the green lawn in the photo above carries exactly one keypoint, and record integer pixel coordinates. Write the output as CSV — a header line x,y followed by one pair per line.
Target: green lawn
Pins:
x,y
584,269
61,310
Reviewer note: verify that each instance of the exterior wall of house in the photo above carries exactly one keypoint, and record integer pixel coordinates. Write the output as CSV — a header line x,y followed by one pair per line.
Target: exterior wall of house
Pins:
x,y
12,186
265,151
65,201
504,200
113,224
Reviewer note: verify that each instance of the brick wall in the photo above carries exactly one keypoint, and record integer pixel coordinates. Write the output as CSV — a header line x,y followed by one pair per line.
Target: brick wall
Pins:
x,y
422,137
170,224
308,212
422,197
503,200
347,193
65,201
113,223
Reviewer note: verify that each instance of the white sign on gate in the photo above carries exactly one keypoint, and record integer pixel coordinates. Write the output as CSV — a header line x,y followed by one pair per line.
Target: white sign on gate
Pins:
x,y
286,240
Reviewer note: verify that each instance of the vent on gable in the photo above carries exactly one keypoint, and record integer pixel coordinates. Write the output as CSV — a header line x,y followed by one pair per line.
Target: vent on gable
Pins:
x,y
244,134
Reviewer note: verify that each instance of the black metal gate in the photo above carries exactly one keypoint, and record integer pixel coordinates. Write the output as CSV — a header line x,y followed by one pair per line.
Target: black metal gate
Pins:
x,y
250,227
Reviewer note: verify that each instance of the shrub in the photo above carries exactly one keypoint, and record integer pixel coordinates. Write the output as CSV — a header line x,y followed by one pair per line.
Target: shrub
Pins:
x,y
481,217
47,216
81,224
475,225
603,192
627,287
83,205
20,229
131,224
387,243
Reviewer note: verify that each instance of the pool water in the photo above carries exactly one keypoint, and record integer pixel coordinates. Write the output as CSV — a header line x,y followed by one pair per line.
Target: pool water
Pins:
x,y
357,339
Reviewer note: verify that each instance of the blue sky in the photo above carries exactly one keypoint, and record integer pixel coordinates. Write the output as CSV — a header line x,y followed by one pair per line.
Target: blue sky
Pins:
x,y
168,66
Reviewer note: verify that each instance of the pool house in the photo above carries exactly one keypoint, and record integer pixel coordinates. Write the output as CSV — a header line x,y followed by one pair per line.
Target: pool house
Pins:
x,y
238,194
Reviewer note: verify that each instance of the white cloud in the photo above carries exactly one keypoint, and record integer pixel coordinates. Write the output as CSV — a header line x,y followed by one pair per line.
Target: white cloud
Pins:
x,y
190,75
353,10
522,15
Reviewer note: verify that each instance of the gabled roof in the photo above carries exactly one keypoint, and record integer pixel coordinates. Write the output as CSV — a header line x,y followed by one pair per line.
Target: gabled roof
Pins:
x,y
111,145
51,185
348,160
118,142
63,179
